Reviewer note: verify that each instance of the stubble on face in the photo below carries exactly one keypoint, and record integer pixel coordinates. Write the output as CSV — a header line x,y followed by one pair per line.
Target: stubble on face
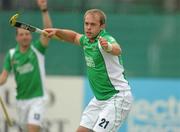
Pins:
x,y
92,25
23,37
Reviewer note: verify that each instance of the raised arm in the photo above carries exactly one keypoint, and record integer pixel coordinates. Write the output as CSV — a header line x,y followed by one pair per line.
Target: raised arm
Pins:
x,y
47,23
65,35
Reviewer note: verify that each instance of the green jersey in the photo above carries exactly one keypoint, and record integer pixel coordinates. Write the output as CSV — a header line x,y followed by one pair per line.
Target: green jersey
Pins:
x,y
29,70
105,71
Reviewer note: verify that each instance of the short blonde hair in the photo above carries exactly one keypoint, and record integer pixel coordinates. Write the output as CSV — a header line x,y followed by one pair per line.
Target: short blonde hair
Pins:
x,y
101,14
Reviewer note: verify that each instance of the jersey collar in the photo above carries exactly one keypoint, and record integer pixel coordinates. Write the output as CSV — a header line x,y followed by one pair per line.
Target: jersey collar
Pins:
x,y
101,33
18,48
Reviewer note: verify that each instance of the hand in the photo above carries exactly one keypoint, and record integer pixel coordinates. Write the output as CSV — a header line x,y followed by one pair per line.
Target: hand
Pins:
x,y
50,32
42,4
103,42
105,45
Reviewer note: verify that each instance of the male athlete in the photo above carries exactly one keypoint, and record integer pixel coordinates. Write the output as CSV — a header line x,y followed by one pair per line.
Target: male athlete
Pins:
x,y
113,99
27,62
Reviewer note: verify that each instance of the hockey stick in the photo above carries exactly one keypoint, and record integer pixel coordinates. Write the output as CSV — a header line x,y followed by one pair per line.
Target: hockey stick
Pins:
x,y
6,115
13,22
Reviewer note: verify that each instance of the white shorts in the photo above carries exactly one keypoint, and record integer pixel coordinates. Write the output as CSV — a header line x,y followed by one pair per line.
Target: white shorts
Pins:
x,y
108,115
31,111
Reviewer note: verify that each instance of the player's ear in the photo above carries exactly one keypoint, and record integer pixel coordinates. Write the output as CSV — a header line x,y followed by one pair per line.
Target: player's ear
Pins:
x,y
102,26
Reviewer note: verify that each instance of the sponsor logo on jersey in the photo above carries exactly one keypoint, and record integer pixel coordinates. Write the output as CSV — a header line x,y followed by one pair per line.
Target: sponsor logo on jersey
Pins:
x,y
13,62
94,48
89,61
26,68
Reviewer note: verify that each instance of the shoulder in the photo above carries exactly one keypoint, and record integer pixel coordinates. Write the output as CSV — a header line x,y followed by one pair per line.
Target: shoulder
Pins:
x,y
83,39
109,38
12,52
8,59
38,45
36,42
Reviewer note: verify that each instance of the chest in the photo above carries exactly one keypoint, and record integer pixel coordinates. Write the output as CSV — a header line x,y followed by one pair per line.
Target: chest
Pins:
x,y
93,56
24,62
22,58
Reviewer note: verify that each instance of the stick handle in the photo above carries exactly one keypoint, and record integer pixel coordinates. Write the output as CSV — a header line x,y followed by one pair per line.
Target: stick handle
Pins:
x,y
40,31
5,113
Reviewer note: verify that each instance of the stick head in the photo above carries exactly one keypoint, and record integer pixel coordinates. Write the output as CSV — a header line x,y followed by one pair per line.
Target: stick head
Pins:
x,y
13,19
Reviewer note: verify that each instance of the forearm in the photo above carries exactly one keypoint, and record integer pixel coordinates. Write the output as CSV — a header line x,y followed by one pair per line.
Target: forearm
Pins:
x,y
2,81
47,23
116,50
43,6
68,35
46,20
113,49
3,77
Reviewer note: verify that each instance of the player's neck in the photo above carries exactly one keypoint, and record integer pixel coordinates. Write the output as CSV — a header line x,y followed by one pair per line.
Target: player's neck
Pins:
x,y
92,40
23,49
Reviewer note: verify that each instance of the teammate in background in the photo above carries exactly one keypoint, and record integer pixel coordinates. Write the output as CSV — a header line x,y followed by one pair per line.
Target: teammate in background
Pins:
x,y
27,62
113,99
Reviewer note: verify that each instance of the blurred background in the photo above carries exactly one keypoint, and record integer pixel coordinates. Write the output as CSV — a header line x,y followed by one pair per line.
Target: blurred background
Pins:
x,y
149,34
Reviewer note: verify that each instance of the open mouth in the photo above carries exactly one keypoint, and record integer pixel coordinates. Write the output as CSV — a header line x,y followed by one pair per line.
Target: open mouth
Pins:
x,y
88,33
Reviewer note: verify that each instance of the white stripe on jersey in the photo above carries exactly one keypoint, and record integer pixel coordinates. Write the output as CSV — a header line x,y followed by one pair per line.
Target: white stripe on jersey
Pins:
x,y
41,63
114,70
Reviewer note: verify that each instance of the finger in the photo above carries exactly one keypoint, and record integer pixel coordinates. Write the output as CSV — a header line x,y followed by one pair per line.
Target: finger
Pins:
x,y
48,30
104,45
103,42
99,38
46,34
51,34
